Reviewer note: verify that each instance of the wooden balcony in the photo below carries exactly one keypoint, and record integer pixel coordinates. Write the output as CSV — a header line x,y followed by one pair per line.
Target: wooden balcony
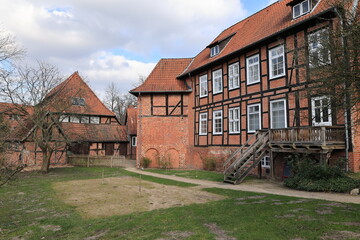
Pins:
x,y
307,138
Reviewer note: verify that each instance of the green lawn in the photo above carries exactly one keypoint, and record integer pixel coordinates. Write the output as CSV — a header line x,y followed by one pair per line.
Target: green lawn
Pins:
x,y
30,209
195,174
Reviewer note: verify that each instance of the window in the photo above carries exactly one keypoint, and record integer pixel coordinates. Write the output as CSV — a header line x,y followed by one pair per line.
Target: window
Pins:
x,y
64,118
234,76
217,81
215,51
217,122
95,120
74,119
301,8
265,162
253,117
133,141
78,101
278,113
85,119
321,111
203,86
234,120
253,69
203,124
319,54
277,62
14,117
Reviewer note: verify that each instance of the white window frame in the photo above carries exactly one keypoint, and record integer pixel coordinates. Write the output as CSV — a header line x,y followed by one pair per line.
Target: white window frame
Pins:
x,y
321,123
273,56
234,76
133,141
318,49
217,81
248,117
203,84
74,119
203,118
302,12
249,65
265,162
215,50
215,119
233,120
271,112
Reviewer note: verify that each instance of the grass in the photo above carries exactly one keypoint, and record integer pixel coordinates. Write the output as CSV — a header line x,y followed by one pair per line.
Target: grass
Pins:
x,y
30,209
194,174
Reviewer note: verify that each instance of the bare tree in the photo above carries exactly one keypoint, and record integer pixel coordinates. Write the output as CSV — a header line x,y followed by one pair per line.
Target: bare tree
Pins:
x,y
29,92
118,103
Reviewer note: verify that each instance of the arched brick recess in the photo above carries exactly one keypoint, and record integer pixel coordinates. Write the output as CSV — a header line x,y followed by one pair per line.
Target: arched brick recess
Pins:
x,y
153,154
173,156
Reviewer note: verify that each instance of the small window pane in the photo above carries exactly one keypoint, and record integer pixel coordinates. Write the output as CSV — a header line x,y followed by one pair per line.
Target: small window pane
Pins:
x,y
95,120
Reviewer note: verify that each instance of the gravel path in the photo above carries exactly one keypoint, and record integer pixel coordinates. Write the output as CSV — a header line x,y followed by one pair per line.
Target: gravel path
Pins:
x,y
260,186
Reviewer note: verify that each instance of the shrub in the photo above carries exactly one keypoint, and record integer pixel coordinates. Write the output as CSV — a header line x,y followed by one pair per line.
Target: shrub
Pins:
x,y
209,163
309,175
145,162
165,162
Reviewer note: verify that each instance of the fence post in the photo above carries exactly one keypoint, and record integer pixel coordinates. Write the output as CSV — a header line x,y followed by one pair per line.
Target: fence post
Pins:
x,y
88,161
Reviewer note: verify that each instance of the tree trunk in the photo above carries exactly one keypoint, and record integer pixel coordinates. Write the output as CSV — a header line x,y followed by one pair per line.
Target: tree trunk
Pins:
x,y
46,160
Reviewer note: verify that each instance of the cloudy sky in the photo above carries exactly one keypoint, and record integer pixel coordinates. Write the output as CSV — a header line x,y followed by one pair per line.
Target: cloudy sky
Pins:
x,y
118,40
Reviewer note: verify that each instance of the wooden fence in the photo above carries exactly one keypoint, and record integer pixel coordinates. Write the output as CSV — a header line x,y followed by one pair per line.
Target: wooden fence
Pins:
x,y
104,161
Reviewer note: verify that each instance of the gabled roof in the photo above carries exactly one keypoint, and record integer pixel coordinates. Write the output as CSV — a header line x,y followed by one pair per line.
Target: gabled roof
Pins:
x,y
268,22
163,77
75,86
131,120
76,132
10,108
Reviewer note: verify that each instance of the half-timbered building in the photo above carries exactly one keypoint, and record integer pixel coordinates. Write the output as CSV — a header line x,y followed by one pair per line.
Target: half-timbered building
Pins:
x,y
246,101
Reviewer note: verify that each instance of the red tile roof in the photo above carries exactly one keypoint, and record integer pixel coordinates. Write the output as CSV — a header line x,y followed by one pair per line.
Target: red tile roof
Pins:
x,y
10,108
79,132
263,24
131,120
163,77
75,86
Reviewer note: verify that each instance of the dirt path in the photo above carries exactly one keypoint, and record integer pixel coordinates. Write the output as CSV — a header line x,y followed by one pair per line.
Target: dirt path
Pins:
x,y
259,187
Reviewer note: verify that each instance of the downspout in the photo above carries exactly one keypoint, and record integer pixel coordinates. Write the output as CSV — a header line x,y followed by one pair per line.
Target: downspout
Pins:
x,y
138,148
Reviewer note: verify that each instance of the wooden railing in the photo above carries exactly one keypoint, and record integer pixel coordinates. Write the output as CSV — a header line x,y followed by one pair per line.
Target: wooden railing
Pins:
x,y
311,135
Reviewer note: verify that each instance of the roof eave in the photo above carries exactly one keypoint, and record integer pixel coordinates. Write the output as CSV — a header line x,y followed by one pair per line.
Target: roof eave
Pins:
x,y
183,75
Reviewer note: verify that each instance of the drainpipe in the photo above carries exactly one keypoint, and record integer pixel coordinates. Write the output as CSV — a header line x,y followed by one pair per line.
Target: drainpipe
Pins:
x,y
138,140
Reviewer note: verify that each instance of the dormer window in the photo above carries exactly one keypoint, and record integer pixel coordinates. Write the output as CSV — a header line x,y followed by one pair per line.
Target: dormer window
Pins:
x,y
78,101
215,50
301,8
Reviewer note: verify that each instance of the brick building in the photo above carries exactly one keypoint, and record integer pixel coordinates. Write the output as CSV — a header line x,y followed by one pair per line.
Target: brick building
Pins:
x,y
131,128
84,126
246,89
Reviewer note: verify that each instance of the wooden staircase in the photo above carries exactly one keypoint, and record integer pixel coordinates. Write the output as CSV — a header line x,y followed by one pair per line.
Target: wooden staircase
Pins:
x,y
246,158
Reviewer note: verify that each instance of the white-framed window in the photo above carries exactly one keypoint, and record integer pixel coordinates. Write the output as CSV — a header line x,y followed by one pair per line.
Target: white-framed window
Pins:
x,y
253,69
85,119
133,141
215,50
278,113
203,85
277,62
254,117
95,120
74,119
301,8
265,162
234,76
217,81
319,53
64,118
321,111
217,122
203,124
234,120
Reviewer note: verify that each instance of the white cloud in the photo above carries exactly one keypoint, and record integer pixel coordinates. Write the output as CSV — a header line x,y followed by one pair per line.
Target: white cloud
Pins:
x,y
89,36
